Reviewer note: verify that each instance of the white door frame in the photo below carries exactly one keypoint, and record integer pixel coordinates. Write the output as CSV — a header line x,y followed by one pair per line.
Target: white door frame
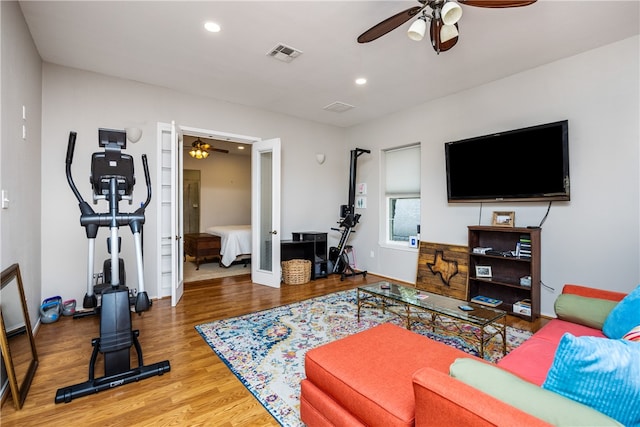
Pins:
x,y
192,131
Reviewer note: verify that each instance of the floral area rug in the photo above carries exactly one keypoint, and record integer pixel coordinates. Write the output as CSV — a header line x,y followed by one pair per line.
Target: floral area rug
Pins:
x,y
266,349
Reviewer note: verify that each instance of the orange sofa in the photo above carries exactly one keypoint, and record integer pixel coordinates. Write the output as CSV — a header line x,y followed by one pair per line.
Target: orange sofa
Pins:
x,y
389,376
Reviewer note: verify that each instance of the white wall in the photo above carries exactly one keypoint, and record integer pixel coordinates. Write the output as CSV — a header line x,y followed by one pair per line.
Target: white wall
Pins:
x,y
20,159
225,188
594,239
84,101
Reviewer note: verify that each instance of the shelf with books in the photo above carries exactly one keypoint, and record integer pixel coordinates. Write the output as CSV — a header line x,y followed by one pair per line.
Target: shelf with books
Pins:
x,y
481,299
508,268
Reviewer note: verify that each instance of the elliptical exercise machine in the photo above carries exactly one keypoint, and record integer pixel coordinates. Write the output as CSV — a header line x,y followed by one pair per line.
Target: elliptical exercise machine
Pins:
x,y
348,220
112,179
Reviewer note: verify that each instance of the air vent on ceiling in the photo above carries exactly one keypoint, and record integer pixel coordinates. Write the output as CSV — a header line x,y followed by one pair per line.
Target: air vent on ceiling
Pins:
x,y
338,107
284,53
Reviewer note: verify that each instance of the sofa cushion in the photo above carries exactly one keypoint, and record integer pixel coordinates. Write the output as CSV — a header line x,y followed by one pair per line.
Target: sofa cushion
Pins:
x,y
544,404
586,311
370,373
624,316
599,372
534,357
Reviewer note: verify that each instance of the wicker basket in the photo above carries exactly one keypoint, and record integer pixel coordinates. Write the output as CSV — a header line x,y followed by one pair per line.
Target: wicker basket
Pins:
x,y
296,271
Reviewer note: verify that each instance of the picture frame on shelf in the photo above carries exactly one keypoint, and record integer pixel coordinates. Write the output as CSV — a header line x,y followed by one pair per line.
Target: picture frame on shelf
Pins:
x,y
503,219
483,271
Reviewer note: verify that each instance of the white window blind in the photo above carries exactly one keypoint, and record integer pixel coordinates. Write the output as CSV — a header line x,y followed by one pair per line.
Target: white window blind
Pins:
x,y
402,168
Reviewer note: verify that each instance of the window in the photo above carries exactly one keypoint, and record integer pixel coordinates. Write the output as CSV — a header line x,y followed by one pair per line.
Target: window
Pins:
x,y
402,193
404,217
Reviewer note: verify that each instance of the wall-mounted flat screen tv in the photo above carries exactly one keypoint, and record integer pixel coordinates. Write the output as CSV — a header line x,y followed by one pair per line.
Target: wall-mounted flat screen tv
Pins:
x,y
528,164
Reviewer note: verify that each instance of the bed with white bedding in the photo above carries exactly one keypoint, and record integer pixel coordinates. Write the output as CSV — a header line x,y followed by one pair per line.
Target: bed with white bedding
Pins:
x,y
235,242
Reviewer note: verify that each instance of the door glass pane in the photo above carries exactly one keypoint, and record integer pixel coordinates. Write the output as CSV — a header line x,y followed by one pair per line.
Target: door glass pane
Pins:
x,y
191,201
266,219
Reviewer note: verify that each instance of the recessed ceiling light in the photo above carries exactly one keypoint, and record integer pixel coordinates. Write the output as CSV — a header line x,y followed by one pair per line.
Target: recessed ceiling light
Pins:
x,y
212,27
361,81
240,147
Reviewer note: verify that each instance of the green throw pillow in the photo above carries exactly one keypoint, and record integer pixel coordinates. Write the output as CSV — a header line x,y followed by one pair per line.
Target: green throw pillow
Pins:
x,y
585,311
544,404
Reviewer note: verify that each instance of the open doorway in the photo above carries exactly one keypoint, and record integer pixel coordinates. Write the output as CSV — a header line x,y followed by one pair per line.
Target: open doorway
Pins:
x,y
264,226
216,193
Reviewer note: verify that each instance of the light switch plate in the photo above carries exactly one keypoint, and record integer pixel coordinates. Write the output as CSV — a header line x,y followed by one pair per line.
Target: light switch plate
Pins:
x,y
5,199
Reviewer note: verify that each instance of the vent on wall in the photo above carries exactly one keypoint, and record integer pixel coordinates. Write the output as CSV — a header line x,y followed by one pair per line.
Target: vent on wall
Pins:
x,y
338,107
284,53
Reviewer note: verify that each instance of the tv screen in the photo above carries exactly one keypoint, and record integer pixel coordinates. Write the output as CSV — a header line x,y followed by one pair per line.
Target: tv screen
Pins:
x,y
528,164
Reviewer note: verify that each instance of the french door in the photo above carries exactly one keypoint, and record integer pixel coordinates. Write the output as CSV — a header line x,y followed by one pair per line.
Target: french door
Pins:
x,y
265,208
265,212
170,226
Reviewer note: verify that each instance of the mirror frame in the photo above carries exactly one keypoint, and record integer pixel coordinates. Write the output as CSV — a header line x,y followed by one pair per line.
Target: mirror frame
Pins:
x,y
18,391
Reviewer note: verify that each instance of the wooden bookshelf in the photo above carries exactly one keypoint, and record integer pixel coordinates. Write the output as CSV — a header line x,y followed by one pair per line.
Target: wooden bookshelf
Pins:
x,y
506,269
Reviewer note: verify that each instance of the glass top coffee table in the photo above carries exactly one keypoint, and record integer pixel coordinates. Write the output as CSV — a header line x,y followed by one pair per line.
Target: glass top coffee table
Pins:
x,y
415,305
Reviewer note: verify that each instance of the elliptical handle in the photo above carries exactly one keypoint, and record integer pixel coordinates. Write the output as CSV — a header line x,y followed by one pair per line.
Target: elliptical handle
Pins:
x,y
147,178
70,148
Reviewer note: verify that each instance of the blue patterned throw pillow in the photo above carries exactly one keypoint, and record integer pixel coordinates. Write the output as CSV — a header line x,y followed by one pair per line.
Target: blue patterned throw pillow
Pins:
x,y
599,372
624,316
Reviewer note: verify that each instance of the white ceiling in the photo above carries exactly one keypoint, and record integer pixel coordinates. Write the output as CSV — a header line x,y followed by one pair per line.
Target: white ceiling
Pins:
x,y
164,43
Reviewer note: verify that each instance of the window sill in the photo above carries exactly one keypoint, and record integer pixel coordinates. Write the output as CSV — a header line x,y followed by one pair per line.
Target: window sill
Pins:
x,y
398,247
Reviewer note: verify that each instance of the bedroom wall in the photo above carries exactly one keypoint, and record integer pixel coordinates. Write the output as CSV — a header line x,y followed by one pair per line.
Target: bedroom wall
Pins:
x,y
83,102
20,159
594,239
225,189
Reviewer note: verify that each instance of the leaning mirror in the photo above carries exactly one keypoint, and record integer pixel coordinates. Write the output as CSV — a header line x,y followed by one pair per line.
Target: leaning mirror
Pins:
x,y
19,357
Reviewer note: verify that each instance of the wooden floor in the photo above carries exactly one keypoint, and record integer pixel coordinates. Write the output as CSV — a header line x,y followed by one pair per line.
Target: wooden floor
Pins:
x,y
198,391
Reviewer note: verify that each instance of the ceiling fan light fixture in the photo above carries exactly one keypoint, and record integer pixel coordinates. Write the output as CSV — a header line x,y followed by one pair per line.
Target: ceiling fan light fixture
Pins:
x,y
443,12
448,32
418,29
199,149
451,13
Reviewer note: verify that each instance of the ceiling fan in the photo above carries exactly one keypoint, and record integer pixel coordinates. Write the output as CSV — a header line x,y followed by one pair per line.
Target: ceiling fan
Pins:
x,y
200,150
444,17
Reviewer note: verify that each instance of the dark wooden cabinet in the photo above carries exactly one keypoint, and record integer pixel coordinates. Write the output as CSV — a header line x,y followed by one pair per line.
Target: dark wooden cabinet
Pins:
x,y
320,254
308,245
508,271
202,246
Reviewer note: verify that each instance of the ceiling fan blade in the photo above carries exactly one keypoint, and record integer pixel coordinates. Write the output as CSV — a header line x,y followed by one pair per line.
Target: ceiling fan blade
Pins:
x,y
497,3
389,24
219,150
434,33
